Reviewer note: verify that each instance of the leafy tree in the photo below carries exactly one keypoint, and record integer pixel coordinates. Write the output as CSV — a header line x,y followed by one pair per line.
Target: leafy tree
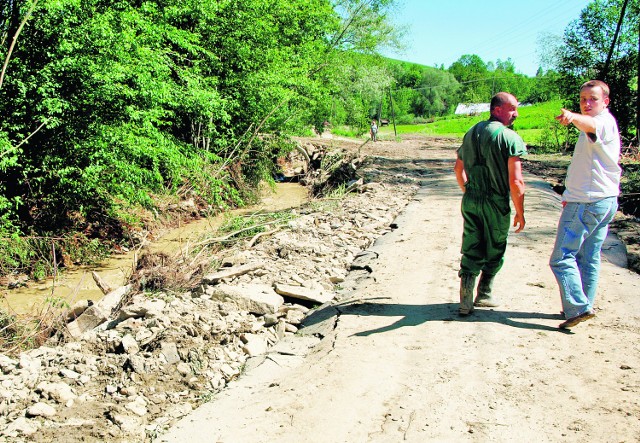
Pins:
x,y
472,73
544,88
480,81
423,91
584,52
355,80
108,105
506,66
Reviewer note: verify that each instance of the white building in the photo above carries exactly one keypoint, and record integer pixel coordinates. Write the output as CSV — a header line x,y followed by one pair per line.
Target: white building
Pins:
x,y
471,108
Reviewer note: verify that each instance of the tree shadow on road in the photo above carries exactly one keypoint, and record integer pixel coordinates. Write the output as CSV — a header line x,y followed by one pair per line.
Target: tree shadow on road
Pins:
x,y
413,315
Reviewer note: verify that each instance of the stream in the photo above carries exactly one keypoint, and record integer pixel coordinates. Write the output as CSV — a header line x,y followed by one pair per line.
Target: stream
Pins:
x,y
77,283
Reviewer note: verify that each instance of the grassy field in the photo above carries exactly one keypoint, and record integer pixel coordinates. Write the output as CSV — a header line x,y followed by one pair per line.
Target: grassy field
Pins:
x,y
549,145
531,123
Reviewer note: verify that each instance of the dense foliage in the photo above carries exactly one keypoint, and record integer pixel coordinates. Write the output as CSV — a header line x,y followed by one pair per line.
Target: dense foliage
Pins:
x,y
112,110
108,106
421,93
584,52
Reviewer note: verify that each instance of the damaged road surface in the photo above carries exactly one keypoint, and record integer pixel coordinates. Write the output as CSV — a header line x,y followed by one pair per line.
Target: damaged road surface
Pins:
x,y
397,363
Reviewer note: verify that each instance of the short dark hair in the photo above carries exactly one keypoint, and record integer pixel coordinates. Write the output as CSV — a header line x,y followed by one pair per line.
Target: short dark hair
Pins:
x,y
594,83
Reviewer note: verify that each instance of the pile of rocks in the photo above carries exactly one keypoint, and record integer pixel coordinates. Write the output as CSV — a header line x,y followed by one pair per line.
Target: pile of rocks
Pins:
x,y
143,365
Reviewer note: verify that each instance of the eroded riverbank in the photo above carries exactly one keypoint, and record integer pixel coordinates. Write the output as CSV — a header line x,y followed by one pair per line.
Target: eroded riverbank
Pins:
x,y
164,353
77,284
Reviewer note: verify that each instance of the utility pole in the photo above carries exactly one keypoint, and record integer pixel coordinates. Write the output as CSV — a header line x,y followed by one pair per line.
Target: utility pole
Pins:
x,y
393,115
605,71
638,92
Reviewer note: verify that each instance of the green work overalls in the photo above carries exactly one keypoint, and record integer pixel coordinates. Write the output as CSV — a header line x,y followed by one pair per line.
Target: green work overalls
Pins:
x,y
486,212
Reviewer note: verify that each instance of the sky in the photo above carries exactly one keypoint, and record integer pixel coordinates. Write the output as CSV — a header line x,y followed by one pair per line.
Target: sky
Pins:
x,y
441,31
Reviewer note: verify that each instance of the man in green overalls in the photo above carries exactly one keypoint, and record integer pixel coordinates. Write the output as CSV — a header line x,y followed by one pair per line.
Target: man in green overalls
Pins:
x,y
488,170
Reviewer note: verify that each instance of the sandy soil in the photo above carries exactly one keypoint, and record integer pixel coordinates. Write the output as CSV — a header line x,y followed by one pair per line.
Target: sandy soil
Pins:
x,y
399,364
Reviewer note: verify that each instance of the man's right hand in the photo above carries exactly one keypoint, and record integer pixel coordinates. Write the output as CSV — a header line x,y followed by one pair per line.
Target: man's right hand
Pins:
x,y
518,222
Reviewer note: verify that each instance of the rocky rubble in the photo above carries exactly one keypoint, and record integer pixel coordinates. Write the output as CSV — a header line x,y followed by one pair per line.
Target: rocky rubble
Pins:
x,y
130,371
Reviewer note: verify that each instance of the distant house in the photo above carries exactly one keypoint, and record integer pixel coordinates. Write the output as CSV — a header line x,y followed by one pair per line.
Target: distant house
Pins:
x,y
471,108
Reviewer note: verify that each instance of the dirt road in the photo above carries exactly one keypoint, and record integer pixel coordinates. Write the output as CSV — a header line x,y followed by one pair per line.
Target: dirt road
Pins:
x,y
399,364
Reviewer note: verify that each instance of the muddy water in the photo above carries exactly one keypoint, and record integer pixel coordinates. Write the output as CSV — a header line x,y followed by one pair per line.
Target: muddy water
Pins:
x,y
77,284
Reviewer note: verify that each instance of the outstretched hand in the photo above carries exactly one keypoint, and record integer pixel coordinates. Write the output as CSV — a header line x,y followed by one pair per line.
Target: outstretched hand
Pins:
x,y
565,118
518,222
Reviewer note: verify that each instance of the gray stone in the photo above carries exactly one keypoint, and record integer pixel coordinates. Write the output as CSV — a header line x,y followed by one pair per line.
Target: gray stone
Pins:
x,y
270,320
60,392
77,309
128,424
302,293
89,319
129,324
294,317
255,298
7,364
5,393
137,363
145,308
112,300
183,369
138,406
170,352
21,426
129,344
41,409
29,363
254,344
84,379
68,373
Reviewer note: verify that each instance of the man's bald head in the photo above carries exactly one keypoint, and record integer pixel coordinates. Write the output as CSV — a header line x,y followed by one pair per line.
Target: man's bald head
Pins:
x,y
504,108
500,99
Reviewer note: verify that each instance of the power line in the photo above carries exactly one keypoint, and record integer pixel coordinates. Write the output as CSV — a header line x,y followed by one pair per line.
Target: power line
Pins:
x,y
498,40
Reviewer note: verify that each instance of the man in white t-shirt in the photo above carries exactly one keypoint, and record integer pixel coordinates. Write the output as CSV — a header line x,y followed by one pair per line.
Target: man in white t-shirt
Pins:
x,y
589,202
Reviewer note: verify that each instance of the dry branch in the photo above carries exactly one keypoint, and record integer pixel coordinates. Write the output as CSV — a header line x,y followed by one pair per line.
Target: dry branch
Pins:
x,y
14,39
233,234
104,286
260,234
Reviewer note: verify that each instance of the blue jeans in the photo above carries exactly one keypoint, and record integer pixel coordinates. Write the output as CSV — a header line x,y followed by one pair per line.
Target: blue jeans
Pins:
x,y
575,260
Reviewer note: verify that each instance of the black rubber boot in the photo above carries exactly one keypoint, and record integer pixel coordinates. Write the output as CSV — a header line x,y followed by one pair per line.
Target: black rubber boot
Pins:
x,y
467,284
484,297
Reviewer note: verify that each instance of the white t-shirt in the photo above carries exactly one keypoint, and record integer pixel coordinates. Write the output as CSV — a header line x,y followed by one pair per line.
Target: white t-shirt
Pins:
x,y
594,172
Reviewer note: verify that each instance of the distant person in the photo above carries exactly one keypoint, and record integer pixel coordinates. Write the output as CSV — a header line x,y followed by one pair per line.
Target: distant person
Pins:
x,y
374,131
589,202
488,170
